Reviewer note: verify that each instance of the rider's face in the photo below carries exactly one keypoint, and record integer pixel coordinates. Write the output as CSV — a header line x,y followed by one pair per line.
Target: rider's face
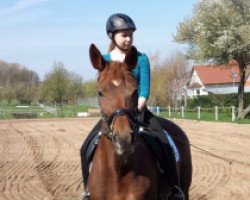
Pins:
x,y
124,39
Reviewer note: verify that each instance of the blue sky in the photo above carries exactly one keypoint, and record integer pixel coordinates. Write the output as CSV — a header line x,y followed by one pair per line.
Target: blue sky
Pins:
x,y
38,33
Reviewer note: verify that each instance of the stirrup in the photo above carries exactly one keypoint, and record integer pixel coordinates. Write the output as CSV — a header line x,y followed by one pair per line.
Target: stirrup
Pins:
x,y
177,193
86,196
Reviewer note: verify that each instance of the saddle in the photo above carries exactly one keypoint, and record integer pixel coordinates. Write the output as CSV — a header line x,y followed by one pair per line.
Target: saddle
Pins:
x,y
87,153
159,147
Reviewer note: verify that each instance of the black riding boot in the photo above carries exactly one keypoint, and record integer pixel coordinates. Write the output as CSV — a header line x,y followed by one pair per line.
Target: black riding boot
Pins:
x,y
87,153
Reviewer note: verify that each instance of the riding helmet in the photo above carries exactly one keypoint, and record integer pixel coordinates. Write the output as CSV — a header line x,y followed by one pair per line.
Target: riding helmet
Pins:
x,y
119,21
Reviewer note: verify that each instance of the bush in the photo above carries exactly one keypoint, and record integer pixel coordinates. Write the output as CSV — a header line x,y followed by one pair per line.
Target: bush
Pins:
x,y
227,110
34,103
4,103
14,102
247,98
221,100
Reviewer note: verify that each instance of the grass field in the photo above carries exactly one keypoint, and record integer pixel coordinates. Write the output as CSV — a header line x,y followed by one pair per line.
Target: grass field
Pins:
x,y
10,112
205,116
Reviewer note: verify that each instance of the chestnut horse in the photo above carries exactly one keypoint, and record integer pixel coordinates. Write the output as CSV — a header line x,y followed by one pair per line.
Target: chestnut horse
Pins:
x,y
123,166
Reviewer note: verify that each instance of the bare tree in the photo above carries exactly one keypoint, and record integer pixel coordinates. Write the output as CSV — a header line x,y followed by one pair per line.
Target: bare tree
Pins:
x,y
168,81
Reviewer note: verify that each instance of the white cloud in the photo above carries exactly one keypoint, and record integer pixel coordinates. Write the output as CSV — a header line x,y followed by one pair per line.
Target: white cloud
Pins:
x,y
19,6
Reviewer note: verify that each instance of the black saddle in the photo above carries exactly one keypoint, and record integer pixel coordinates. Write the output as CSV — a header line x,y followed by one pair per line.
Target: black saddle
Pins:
x,y
156,141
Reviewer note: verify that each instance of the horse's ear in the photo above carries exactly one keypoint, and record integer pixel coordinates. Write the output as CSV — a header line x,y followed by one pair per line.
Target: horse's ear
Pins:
x,y
96,58
131,58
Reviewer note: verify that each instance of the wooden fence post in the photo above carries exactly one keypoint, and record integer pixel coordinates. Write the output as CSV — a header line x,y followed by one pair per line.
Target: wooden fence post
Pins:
x,y
199,112
233,113
157,110
216,113
169,111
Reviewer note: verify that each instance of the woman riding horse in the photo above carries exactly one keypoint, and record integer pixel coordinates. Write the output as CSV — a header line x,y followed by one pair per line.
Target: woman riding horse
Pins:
x,y
120,28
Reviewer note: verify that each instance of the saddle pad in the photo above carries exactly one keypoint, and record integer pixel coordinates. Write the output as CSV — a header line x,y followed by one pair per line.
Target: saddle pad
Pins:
x,y
173,145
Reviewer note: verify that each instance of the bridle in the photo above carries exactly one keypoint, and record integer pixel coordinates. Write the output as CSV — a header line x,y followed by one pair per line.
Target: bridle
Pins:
x,y
109,121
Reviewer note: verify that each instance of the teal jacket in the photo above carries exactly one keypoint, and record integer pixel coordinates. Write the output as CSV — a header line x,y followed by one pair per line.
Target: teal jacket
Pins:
x,y
141,73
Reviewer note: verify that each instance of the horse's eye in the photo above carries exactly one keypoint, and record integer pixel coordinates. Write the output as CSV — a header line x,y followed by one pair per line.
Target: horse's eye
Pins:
x,y
100,94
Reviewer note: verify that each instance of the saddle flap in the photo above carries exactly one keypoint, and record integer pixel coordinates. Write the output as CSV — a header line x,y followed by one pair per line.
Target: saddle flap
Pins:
x,y
163,154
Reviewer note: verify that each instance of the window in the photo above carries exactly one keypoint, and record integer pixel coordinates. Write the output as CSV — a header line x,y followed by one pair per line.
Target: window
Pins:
x,y
198,91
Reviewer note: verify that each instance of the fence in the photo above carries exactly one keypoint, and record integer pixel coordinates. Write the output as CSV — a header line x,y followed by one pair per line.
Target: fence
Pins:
x,y
88,101
42,111
216,113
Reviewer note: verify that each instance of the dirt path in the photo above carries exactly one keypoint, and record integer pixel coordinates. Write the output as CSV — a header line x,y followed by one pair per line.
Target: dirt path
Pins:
x,y
40,159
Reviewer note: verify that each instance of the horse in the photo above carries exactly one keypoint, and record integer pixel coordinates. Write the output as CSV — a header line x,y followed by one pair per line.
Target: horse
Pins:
x,y
123,166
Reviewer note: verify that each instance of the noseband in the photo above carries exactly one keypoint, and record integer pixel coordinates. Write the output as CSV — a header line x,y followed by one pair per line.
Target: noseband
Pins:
x,y
132,115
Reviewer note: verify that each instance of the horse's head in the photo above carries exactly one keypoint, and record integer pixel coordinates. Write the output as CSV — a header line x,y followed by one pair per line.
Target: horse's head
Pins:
x,y
118,97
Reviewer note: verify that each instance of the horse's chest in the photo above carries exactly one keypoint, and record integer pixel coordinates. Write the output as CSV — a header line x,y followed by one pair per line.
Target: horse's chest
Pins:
x,y
130,187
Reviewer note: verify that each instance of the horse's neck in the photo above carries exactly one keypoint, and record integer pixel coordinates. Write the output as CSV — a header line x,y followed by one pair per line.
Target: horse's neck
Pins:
x,y
110,160
112,177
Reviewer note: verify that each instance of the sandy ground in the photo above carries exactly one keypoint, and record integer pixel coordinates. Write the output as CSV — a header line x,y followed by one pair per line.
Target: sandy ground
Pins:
x,y
40,159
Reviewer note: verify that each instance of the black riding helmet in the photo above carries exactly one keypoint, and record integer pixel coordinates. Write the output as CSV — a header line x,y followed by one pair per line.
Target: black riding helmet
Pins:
x,y
117,22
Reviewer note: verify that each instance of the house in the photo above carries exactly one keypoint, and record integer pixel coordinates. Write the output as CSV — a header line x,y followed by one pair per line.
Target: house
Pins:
x,y
216,79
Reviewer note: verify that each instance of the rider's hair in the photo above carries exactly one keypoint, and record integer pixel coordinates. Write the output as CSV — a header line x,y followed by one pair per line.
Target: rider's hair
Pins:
x,y
111,46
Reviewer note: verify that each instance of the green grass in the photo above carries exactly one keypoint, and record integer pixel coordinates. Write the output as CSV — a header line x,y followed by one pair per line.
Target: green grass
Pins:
x,y
64,111
205,116
7,112
81,108
71,111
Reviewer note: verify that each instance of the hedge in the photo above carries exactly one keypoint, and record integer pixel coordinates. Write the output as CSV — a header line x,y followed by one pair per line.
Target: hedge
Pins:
x,y
221,100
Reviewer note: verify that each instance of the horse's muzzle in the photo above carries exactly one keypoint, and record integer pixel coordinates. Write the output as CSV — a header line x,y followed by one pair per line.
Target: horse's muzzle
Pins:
x,y
123,145
121,124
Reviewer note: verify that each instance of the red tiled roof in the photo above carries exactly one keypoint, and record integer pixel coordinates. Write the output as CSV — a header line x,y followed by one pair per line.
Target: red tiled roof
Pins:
x,y
218,74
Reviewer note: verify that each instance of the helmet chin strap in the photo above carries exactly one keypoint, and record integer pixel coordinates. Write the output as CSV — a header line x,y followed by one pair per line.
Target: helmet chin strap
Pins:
x,y
122,49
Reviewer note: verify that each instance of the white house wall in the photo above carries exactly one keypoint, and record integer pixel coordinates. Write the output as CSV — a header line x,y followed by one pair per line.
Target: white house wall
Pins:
x,y
223,89
217,89
195,78
194,91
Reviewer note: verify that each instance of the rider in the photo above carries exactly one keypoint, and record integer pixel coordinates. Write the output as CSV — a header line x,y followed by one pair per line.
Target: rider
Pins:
x,y
120,29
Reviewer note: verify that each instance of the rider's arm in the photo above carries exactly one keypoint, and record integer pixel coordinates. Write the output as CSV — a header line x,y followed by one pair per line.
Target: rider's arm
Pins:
x,y
144,83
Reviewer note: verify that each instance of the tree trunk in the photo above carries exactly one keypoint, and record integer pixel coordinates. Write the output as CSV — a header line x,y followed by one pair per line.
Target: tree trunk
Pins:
x,y
246,111
241,91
